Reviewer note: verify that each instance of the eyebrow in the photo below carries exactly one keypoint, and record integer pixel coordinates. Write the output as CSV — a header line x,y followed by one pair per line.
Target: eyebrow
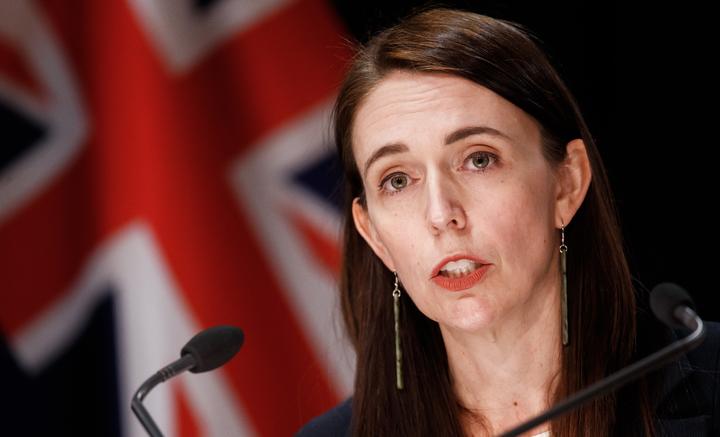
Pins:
x,y
453,137
465,132
389,149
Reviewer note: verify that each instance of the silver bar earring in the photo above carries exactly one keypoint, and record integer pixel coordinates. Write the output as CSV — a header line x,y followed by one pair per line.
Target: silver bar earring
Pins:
x,y
563,295
398,350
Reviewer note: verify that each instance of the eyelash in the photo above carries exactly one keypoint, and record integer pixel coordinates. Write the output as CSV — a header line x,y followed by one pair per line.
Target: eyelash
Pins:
x,y
491,157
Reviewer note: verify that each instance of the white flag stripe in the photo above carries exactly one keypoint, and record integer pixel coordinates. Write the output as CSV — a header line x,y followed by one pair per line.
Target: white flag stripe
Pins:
x,y
261,182
23,26
153,323
182,36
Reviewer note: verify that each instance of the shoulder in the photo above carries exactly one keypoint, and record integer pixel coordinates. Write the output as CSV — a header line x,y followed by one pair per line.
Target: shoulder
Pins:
x,y
691,399
332,423
706,355
701,366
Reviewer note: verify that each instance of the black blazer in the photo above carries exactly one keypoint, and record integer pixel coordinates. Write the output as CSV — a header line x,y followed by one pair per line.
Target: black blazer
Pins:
x,y
686,407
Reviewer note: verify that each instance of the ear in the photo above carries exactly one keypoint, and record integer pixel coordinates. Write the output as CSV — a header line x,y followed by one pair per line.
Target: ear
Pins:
x,y
573,179
365,227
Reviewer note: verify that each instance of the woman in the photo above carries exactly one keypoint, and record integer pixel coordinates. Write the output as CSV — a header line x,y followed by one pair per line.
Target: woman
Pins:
x,y
483,275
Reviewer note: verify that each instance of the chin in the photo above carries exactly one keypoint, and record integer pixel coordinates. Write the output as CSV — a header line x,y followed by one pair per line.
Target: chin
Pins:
x,y
470,315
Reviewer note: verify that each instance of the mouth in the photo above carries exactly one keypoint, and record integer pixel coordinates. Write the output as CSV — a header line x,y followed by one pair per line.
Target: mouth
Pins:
x,y
459,272
457,266
458,269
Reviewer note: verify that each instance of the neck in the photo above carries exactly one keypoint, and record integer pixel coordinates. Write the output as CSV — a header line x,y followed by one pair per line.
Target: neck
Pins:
x,y
508,372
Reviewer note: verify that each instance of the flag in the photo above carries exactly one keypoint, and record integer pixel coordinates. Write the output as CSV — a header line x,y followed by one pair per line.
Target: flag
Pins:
x,y
167,166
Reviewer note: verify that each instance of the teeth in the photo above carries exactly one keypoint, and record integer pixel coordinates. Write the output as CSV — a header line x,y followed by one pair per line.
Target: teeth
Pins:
x,y
459,268
457,273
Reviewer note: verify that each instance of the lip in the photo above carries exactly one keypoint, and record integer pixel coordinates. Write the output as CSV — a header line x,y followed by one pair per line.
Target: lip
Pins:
x,y
458,284
476,260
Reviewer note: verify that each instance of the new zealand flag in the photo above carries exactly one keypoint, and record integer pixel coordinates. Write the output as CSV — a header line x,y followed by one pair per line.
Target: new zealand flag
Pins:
x,y
166,166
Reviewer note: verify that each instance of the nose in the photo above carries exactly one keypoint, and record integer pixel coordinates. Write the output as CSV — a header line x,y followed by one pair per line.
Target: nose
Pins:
x,y
444,209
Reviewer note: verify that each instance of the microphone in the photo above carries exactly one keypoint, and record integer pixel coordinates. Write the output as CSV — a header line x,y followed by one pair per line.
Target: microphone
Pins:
x,y
673,306
206,351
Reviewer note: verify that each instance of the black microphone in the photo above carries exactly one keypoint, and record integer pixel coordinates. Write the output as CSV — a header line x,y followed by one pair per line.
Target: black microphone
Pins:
x,y
673,306
206,351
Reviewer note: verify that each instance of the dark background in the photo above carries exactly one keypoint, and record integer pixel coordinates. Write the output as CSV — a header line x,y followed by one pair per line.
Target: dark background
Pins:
x,y
642,76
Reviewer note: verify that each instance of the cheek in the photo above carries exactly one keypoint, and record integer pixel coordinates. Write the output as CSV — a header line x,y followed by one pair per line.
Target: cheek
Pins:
x,y
519,220
396,230
401,234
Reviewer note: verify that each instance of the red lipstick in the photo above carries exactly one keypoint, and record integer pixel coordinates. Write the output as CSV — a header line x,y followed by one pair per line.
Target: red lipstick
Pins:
x,y
464,282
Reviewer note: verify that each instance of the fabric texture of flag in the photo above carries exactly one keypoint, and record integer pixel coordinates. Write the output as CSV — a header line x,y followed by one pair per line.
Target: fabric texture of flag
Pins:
x,y
167,166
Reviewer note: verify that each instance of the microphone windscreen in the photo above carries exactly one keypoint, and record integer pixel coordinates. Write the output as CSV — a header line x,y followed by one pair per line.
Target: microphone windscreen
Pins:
x,y
213,347
665,298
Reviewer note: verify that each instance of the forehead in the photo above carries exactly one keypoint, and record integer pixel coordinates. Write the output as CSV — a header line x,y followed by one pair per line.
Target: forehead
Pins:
x,y
410,107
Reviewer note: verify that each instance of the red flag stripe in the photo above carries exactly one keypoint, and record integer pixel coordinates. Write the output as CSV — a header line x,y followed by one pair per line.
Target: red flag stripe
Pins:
x,y
324,249
187,425
155,153
14,68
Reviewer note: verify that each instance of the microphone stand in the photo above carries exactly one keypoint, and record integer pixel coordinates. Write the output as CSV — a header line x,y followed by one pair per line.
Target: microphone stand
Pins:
x,y
627,374
206,351
186,362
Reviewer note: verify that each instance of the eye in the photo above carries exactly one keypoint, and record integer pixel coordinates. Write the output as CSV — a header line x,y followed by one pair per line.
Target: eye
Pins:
x,y
479,161
394,183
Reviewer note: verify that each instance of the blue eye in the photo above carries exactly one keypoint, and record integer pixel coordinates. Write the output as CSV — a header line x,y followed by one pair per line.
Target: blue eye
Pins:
x,y
480,160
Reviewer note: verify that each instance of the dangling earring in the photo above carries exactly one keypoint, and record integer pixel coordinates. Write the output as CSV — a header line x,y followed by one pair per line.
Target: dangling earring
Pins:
x,y
398,351
563,291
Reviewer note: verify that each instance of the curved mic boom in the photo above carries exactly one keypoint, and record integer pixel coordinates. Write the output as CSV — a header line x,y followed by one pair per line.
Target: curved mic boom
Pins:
x,y
672,305
206,351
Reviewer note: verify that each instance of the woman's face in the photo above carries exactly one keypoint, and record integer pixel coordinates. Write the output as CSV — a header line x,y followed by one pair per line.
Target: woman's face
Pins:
x,y
454,172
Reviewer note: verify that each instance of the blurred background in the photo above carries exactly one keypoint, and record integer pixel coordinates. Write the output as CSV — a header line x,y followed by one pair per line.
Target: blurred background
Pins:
x,y
166,166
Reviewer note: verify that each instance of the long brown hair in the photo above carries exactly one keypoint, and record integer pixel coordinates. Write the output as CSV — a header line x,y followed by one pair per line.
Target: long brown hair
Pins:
x,y
502,57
